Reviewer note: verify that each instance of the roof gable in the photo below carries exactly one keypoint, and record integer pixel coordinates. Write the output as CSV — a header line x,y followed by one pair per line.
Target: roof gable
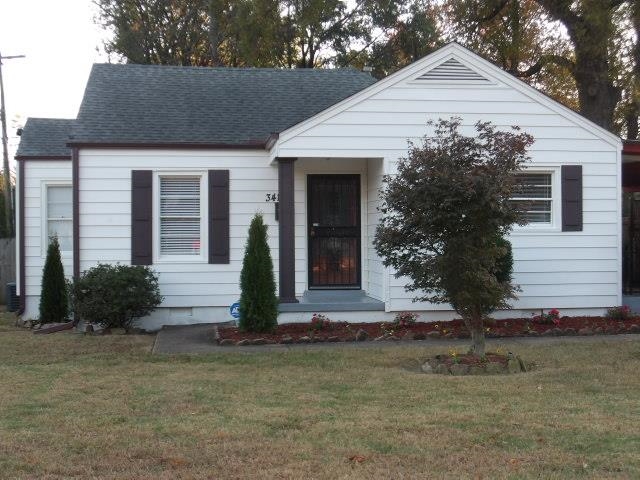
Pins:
x,y
474,68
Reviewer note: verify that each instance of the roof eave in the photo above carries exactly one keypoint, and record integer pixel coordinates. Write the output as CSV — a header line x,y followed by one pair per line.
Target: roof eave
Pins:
x,y
262,145
42,157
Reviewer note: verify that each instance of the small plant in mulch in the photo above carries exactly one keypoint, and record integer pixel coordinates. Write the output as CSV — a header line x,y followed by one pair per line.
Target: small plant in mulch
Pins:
x,y
320,322
387,329
620,313
552,317
405,319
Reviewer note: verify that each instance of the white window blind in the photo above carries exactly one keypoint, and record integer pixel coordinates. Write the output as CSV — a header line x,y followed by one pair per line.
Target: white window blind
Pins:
x,y
534,194
180,215
60,215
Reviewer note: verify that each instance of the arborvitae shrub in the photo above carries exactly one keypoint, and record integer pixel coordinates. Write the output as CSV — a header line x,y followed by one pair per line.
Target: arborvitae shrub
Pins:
x,y
258,300
504,263
54,301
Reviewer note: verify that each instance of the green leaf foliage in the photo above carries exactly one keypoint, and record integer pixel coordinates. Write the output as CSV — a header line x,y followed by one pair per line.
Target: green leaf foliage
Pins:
x,y
54,301
116,295
445,215
258,300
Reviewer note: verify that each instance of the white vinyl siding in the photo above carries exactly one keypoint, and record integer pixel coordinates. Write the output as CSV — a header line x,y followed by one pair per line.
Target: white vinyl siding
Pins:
x,y
185,280
180,216
59,216
534,193
382,124
38,176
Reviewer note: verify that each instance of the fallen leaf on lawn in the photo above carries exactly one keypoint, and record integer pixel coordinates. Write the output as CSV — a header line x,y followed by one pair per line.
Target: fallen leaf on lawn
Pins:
x,y
357,458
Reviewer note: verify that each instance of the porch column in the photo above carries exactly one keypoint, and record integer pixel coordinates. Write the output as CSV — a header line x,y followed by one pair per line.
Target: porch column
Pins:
x,y
286,230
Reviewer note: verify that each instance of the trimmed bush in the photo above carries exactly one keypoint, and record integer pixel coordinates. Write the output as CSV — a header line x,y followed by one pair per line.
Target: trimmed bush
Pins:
x,y
258,300
54,300
114,296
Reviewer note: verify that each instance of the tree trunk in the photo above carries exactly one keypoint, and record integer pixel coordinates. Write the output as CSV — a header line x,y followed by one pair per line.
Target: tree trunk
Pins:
x,y
591,31
475,325
597,94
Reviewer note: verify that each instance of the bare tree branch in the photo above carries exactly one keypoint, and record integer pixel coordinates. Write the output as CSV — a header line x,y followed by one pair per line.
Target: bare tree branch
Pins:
x,y
545,60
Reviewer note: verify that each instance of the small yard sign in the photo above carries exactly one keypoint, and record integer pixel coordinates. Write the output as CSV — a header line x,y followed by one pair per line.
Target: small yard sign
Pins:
x,y
234,310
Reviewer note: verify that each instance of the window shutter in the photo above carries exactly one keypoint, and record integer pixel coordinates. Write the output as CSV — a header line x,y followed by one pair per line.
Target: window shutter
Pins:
x,y
572,198
218,216
141,217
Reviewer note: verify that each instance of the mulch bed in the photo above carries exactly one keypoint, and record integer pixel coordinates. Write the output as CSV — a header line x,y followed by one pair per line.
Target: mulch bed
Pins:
x,y
346,332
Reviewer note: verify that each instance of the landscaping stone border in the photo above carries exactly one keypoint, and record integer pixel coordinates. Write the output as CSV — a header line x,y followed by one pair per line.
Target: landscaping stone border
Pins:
x,y
445,365
363,336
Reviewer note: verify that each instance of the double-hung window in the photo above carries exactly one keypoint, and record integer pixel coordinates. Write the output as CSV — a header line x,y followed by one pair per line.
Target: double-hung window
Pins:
x,y
181,213
534,193
59,215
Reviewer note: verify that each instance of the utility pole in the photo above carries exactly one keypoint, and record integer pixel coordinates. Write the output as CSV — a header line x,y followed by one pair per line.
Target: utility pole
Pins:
x,y
5,152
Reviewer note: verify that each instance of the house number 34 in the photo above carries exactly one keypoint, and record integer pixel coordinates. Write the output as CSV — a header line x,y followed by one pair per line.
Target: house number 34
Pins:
x,y
272,197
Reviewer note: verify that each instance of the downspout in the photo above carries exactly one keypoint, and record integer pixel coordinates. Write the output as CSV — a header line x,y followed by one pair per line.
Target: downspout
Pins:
x,y
75,188
21,252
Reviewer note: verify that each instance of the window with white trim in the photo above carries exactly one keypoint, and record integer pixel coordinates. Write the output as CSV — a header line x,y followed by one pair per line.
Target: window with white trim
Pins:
x,y
59,215
180,216
534,193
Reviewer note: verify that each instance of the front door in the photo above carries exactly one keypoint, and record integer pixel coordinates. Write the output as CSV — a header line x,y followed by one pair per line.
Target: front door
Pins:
x,y
333,206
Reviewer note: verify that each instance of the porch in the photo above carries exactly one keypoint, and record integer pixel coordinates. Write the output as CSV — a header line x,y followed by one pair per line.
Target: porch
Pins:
x,y
333,301
327,214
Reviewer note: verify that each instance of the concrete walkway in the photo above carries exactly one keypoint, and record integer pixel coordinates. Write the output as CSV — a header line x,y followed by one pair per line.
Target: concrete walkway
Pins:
x,y
191,339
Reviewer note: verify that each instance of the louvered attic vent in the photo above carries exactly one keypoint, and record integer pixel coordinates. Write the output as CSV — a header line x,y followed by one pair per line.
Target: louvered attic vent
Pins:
x,y
451,71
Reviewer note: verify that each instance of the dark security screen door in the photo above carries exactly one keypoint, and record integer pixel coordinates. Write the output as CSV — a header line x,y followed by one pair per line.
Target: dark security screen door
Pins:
x,y
334,231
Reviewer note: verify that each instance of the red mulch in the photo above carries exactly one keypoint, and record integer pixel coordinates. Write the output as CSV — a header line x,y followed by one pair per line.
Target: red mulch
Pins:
x,y
447,329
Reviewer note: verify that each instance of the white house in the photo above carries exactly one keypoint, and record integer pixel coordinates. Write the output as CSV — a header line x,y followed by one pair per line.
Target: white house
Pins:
x,y
165,166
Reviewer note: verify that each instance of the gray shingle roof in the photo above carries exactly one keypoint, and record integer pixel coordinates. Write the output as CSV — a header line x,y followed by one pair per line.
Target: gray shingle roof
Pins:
x,y
141,104
45,137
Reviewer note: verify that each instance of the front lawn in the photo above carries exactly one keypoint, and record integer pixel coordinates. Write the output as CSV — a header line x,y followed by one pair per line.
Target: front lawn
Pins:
x,y
74,406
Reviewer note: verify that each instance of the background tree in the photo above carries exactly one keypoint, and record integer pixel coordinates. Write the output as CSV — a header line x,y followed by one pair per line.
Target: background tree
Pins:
x,y
54,299
444,217
258,300
414,34
525,37
7,229
166,32
274,33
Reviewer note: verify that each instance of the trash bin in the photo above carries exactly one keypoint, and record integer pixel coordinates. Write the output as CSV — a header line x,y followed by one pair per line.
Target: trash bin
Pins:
x,y
12,299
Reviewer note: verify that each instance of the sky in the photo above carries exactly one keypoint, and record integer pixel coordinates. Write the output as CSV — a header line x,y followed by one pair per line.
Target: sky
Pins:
x,y
61,42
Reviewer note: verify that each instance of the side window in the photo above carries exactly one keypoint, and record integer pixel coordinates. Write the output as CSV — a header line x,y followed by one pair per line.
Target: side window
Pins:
x,y
59,215
534,192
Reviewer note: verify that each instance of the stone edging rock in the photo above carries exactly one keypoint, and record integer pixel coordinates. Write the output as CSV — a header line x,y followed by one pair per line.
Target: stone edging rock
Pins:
x,y
440,365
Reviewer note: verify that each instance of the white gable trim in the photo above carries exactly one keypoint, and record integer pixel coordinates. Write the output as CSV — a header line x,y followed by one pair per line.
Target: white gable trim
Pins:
x,y
465,56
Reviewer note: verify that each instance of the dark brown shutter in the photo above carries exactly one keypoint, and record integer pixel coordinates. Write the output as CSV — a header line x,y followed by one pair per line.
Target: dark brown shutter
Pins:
x,y
141,217
572,198
218,216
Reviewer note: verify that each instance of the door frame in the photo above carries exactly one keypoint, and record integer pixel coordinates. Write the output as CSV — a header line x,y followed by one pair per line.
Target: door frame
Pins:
x,y
358,179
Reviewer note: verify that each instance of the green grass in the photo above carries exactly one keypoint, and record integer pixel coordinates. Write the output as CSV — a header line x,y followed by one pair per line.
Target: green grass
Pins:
x,y
74,406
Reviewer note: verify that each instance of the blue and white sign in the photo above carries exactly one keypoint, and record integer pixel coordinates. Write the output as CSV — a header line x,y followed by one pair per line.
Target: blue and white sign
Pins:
x,y
234,310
